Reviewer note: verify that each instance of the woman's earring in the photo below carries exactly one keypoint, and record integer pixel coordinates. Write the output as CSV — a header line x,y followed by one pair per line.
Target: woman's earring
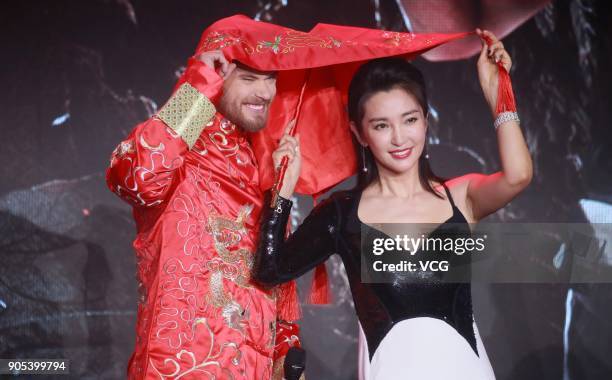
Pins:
x,y
427,156
365,169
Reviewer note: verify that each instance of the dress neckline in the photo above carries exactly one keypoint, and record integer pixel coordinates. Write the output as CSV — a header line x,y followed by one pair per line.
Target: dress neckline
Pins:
x,y
454,208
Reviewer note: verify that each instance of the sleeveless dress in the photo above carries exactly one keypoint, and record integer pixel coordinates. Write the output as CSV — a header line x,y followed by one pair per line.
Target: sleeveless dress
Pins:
x,y
412,326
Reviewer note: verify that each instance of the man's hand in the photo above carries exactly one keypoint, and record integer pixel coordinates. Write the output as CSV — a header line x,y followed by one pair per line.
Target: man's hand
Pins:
x,y
216,60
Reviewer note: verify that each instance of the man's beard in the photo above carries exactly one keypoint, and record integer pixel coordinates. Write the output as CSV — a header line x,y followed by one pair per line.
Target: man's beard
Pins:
x,y
234,113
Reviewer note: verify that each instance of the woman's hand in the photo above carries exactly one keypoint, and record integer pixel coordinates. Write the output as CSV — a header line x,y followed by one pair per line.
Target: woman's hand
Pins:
x,y
288,146
487,66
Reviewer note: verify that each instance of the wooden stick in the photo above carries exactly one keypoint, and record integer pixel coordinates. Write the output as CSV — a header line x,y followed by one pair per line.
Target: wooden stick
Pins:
x,y
280,173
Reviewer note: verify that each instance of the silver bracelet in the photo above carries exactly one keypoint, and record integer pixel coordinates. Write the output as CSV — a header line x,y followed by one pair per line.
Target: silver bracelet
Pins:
x,y
504,117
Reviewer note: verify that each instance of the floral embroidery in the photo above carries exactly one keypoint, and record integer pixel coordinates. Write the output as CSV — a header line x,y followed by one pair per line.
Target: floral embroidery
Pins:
x,y
217,41
396,38
285,43
174,370
291,40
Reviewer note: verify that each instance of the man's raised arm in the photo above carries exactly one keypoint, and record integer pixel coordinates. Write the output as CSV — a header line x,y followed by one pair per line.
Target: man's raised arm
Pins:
x,y
143,167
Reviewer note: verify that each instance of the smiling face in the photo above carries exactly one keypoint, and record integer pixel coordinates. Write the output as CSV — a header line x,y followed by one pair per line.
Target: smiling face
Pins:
x,y
394,127
246,99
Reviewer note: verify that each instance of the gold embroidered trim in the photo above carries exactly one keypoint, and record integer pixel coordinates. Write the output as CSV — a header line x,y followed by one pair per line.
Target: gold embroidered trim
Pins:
x,y
187,113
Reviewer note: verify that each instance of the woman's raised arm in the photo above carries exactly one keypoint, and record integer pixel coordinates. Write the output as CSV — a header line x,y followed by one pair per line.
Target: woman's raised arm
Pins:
x,y
488,193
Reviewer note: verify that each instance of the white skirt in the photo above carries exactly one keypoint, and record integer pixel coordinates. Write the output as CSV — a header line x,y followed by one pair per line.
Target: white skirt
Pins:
x,y
424,348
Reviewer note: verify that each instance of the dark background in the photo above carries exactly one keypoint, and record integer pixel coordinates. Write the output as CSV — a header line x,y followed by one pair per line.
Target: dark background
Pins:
x,y
78,75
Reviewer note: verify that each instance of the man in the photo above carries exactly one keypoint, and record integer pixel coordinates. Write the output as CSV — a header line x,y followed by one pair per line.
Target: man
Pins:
x,y
192,179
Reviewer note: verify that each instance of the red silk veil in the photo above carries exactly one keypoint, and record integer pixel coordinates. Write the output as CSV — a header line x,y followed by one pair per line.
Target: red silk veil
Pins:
x,y
331,54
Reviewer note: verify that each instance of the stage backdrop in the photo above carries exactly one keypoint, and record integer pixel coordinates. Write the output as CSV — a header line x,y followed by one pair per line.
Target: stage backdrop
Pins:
x,y
78,75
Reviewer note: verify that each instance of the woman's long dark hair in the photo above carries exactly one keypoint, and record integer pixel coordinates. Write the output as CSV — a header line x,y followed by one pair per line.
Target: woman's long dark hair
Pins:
x,y
384,74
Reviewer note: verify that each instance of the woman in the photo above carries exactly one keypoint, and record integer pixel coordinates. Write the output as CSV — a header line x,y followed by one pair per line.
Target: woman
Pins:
x,y
416,326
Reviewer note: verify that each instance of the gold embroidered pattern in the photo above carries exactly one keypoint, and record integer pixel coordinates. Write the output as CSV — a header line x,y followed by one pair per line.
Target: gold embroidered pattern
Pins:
x,y
218,41
293,39
187,113
290,40
227,232
283,43
235,265
233,314
185,363
218,297
125,147
396,38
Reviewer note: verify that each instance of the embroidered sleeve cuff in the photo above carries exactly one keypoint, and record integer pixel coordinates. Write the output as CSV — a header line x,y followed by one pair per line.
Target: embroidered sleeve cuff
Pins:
x,y
187,113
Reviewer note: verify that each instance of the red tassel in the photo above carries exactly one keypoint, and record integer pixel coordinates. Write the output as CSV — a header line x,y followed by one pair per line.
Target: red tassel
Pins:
x,y
319,288
287,302
319,291
505,94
